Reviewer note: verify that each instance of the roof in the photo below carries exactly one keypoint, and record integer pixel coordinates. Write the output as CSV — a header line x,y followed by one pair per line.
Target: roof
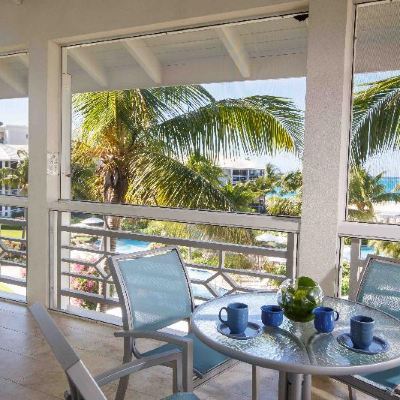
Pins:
x,y
242,163
9,152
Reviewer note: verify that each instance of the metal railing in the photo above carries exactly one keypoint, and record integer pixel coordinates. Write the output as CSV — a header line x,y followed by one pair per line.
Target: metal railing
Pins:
x,y
13,256
83,275
357,263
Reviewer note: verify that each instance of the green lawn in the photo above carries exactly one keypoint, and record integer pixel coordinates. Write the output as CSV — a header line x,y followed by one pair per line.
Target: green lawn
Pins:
x,y
13,233
4,288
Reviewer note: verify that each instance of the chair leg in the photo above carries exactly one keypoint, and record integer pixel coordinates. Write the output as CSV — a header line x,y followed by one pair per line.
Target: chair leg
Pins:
x,y
307,385
352,393
124,382
177,373
255,382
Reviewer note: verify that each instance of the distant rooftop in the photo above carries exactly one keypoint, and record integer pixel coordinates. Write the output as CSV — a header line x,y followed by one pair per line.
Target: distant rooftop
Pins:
x,y
9,152
242,164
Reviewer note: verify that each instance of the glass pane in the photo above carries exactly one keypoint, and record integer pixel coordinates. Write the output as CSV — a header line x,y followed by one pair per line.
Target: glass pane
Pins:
x,y
13,126
183,120
374,171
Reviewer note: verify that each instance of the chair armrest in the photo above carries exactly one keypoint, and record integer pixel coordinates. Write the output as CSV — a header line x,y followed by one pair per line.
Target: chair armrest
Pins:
x,y
183,342
138,365
155,335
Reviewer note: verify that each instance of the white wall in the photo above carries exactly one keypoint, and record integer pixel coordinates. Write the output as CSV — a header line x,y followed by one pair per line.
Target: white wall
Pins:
x,y
16,134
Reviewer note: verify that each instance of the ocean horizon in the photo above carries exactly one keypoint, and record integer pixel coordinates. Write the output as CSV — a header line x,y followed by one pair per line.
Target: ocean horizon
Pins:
x,y
390,183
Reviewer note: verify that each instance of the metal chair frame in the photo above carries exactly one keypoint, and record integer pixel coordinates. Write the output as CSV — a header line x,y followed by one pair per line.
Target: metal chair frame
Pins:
x,y
82,384
130,333
357,382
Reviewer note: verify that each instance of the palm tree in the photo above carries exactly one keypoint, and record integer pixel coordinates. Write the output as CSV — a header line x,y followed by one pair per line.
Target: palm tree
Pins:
x,y
365,190
385,248
376,119
16,177
141,141
150,146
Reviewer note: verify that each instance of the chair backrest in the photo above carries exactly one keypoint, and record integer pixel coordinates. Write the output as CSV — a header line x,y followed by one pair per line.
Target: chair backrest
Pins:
x,y
380,285
80,379
153,287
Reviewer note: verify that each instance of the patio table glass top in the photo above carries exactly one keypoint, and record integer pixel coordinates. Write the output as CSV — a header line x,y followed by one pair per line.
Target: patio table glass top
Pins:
x,y
297,347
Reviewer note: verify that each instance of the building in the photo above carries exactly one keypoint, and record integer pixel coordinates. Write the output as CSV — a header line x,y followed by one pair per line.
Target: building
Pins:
x,y
242,170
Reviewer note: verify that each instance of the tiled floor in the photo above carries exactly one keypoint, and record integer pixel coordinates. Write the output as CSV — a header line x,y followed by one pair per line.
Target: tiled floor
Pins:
x,y
28,369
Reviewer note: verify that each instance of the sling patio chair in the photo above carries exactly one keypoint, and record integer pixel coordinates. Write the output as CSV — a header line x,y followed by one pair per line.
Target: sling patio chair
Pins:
x,y
379,288
155,292
83,386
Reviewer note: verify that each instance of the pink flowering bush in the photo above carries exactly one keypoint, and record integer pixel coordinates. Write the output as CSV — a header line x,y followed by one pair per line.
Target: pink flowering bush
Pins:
x,y
84,284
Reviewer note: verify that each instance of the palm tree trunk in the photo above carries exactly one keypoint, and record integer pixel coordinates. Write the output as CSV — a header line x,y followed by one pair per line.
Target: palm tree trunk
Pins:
x,y
115,188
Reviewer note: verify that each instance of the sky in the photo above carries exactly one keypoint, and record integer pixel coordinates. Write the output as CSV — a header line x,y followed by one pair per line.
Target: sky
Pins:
x,y
14,111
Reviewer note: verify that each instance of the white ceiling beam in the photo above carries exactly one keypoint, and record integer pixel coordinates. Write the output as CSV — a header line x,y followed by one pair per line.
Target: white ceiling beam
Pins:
x,y
138,49
90,65
13,80
234,45
24,59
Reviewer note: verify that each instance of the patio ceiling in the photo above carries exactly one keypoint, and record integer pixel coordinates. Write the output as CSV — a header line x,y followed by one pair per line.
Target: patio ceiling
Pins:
x,y
269,49
259,50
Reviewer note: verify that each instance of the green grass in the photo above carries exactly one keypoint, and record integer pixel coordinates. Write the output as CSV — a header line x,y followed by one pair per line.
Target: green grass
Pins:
x,y
5,288
13,233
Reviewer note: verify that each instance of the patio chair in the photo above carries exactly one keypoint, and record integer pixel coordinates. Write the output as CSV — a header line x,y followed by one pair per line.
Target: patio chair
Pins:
x,y
155,292
83,386
379,288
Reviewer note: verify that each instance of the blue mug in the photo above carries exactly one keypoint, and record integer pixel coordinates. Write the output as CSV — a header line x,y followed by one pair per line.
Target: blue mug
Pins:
x,y
325,318
271,315
361,331
237,317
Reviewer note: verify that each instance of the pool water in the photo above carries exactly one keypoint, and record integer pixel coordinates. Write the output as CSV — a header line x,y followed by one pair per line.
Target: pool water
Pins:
x,y
365,250
131,246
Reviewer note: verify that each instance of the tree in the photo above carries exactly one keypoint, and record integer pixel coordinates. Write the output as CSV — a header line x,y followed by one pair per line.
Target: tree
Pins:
x,y
139,140
376,120
153,146
388,249
365,190
16,177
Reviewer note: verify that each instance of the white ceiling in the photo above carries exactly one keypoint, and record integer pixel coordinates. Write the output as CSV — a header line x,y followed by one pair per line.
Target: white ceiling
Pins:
x,y
257,50
268,49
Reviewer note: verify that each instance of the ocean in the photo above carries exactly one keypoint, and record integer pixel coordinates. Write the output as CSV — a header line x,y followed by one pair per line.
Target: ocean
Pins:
x,y
390,183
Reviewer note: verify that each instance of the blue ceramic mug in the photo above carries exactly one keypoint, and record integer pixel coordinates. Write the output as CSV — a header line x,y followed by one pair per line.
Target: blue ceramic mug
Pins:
x,y
324,319
271,315
362,331
237,317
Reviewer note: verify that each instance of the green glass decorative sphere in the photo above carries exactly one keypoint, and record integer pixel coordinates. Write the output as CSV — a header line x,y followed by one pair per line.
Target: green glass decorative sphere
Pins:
x,y
298,297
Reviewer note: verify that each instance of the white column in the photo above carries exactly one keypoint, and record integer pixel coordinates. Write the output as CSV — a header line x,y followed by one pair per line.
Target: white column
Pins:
x,y
327,126
44,138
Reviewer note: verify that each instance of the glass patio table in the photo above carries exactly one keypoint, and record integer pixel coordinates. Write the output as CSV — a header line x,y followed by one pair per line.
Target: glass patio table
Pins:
x,y
295,349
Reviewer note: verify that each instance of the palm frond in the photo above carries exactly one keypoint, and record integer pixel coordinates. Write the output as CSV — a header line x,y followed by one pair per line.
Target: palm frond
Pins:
x,y
376,120
171,101
174,184
253,125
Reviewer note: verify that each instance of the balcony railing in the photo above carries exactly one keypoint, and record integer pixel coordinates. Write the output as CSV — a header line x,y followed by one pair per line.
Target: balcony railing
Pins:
x,y
356,266
13,254
83,276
